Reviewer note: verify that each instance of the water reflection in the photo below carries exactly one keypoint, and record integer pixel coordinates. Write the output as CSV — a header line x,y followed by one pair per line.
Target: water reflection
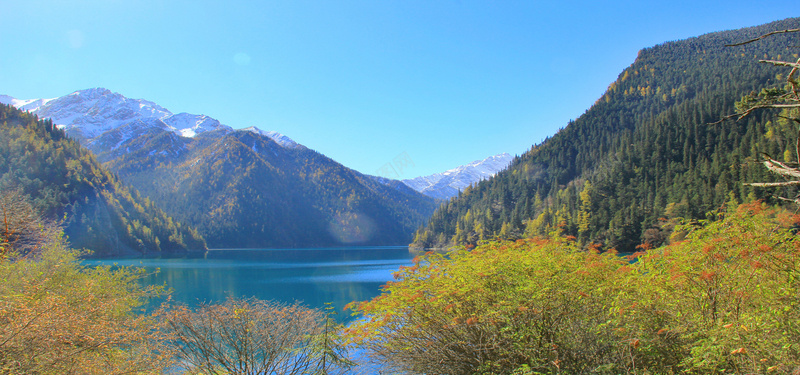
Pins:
x,y
313,276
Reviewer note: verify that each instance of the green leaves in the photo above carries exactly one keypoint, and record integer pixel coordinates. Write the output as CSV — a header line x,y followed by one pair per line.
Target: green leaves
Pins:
x,y
67,184
723,300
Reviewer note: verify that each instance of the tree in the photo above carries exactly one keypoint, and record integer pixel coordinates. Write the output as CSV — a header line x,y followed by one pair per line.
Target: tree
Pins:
x,y
251,336
58,317
22,229
502,307
723,301
786,99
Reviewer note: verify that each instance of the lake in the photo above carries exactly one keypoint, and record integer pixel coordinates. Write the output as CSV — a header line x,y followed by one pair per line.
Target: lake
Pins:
x,y
313,276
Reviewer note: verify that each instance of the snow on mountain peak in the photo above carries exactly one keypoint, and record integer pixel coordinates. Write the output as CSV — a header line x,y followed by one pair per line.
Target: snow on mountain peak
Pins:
x,y
275,136
448,183
25,105
93,112
189,125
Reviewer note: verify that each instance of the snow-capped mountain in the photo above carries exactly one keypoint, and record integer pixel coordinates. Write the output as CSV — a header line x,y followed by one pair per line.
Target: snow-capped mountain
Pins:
x,y
277,137
447,184
25,105
237,188
90,114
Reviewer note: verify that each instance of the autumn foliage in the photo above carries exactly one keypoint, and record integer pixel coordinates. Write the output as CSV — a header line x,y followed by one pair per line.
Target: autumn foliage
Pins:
x,y
58,317
724,300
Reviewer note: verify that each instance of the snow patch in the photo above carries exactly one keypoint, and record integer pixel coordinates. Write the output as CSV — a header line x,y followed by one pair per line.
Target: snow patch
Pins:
x,y
275,136
447,184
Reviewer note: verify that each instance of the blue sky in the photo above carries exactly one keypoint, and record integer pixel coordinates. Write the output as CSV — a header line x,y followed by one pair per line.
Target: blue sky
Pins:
x,y
423,86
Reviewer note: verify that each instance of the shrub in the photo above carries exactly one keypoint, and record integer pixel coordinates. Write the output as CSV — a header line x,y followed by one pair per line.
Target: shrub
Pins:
x,y
252,336
58,317
724,300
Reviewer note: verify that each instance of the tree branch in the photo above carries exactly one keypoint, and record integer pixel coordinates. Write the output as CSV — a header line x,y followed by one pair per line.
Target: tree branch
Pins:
x,y
763,36
780,63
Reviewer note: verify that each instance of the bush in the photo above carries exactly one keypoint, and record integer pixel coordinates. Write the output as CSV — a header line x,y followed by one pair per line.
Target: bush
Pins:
x,y
533,303
725,300
251,336
57,317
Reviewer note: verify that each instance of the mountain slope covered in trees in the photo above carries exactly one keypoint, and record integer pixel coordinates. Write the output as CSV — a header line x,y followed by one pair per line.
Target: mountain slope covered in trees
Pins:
x,y
240,188
243,189
643,154
68,185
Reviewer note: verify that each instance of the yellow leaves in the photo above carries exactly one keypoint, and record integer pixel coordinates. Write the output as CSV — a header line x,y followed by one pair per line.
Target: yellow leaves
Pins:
x,y
743,327
74,319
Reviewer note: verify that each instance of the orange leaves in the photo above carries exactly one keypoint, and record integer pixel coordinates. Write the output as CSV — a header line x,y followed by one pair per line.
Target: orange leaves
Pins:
x,y
764,249
707,275
594,248
739,351
751,209
651,305
637,254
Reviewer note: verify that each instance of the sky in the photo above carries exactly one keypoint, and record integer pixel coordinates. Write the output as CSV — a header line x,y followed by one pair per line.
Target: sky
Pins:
x,y
397,88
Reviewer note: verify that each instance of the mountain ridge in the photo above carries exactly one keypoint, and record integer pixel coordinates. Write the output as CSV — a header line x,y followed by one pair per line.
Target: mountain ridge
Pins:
x,y
87,114
641,157
69,186
240,188
449,183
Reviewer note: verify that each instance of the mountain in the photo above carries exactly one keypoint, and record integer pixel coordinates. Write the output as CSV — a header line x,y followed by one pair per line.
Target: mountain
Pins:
x,y
88,114
239,188
447,184
69,186
643,156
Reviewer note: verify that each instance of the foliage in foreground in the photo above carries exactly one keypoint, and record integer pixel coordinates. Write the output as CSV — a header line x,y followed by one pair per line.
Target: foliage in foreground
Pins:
x,y
724,300
57,317
251,336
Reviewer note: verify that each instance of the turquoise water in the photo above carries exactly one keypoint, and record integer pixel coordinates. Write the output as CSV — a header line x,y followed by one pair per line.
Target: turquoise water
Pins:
x,y
312,276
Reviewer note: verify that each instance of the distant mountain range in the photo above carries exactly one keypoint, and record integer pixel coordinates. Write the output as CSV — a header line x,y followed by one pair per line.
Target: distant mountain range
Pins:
x,y
89,114
447,184
104,120
239,188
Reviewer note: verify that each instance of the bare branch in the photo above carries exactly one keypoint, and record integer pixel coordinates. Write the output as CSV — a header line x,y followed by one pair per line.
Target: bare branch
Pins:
x,y
780,63
781,168
772,184
763,36
738,116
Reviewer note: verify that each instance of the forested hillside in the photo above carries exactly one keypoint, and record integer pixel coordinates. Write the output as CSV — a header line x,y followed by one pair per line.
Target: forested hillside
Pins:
x,y
642,155
68,185
242,189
